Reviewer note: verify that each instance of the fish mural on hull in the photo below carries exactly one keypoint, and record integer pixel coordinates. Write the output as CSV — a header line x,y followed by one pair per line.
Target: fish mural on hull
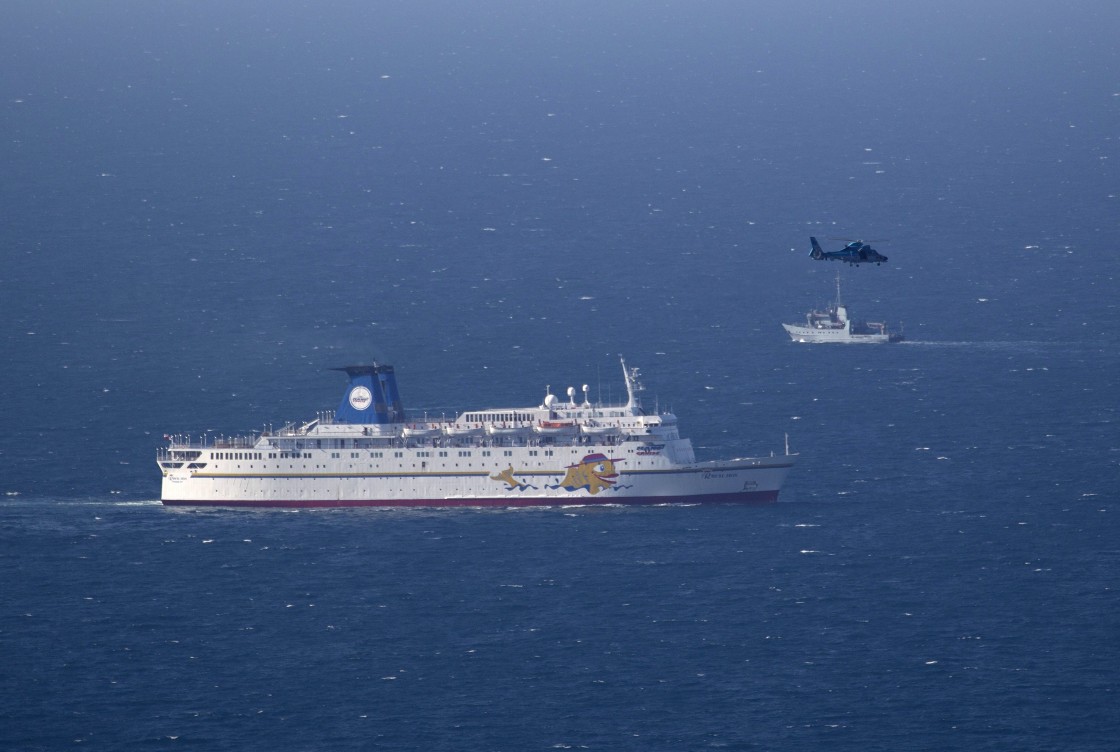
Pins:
x,y
506,476
594,473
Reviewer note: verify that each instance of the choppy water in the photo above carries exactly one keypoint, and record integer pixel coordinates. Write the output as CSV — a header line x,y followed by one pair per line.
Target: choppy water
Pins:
x,y
942,574
893,623
206,206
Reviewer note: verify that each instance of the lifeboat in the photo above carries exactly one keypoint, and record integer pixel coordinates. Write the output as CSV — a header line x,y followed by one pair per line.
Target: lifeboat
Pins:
x,y
505,429
556,428
419,431
599,430
462,430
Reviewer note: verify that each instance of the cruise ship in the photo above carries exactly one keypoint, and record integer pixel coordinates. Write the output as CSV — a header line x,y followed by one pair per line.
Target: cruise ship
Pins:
x,y
369,453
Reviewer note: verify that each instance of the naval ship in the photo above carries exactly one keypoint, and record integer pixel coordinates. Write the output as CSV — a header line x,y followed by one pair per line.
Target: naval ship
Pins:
x,y
369,453
834,325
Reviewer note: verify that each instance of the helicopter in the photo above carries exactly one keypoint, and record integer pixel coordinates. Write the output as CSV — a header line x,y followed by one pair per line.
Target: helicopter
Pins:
x,y
855,252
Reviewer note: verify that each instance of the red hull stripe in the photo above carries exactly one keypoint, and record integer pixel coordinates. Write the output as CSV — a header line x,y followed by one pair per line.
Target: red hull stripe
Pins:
x,y
757,497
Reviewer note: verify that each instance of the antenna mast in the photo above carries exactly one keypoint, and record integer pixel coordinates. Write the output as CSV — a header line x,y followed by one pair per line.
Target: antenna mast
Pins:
x,y
633,385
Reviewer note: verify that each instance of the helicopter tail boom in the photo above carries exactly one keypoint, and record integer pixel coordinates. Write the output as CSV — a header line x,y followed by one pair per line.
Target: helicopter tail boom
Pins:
x,y
817,251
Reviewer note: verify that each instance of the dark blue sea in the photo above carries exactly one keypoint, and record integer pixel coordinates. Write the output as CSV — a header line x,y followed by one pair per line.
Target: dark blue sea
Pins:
x,y
206,206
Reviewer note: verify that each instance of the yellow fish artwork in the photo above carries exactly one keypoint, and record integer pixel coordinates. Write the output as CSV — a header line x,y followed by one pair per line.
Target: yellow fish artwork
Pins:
x,y
595,472
507,477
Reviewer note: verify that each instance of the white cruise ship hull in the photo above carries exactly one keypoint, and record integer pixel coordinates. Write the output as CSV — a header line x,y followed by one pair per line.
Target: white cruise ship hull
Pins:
x,y
743,481
368,454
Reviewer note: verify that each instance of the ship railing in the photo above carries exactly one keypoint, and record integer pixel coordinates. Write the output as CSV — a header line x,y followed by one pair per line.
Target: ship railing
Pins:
x,y
322,418
235,442
181,442
288,429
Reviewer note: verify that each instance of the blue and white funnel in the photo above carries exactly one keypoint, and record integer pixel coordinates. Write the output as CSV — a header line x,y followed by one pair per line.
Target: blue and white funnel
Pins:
x,y
371,397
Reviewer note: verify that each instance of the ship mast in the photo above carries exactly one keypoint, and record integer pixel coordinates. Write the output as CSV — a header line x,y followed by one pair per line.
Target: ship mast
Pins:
x,y
841,311
633,386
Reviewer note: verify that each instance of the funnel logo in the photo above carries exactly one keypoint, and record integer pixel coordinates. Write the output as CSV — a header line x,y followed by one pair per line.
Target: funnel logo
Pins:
x,y
360,398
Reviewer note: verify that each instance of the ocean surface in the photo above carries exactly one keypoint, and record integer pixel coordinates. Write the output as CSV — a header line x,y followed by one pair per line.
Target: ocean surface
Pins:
x,y
205,208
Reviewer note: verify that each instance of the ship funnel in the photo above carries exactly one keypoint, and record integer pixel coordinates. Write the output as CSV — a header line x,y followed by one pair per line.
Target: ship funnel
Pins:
x,y
371,396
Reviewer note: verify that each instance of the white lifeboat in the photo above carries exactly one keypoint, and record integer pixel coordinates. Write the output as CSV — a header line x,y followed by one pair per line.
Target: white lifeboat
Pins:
x,y
506,429
462,430
419,430
596,429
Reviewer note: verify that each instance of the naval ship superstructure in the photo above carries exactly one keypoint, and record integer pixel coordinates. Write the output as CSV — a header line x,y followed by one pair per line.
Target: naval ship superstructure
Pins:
x,y
833,324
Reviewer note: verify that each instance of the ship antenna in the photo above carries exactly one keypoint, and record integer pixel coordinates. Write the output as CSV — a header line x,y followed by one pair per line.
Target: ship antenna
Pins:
x,y
626,379
838,303
633,386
